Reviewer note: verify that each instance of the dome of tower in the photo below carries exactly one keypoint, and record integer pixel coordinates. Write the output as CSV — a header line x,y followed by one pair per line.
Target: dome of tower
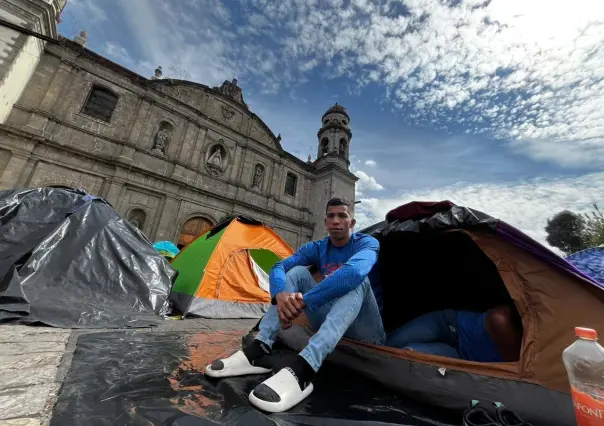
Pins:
x,y
337,108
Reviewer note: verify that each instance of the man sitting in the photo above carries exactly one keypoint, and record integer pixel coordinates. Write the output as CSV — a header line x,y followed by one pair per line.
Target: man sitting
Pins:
x,y
342,304
491,336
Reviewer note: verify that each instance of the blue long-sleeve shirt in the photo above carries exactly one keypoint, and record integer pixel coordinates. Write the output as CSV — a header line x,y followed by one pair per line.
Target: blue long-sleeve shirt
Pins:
x,y
344,267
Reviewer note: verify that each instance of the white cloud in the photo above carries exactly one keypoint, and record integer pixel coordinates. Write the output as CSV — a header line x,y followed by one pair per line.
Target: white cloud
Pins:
x,y
82,15
530,71
115,51
366,182
87,9
370,163
196,38
525,205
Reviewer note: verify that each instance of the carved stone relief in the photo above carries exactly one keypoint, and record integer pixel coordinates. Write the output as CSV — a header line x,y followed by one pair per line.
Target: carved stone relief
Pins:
x,y
227,112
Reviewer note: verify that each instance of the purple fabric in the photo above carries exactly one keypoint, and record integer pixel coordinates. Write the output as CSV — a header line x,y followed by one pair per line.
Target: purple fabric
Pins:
x,y
525,242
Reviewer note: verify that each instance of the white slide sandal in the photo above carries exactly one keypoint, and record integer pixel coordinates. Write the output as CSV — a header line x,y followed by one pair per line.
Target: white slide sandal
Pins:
x,y
235,365
285,392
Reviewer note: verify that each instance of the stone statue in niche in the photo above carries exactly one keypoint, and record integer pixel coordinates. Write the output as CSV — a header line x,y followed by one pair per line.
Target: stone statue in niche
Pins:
x,y
137,218
161,140
258,177
215,161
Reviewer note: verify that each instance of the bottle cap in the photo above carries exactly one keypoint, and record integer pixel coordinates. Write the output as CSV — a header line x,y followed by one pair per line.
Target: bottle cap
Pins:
x,y
586,333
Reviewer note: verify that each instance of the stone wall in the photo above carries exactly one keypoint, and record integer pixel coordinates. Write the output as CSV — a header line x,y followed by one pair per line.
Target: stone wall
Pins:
x,y
116,160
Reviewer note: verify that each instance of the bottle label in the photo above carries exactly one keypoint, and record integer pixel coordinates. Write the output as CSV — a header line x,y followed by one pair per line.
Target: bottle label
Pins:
x,y
588,410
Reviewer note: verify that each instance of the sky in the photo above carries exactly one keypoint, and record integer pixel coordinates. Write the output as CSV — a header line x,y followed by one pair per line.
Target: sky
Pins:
x,y
497,105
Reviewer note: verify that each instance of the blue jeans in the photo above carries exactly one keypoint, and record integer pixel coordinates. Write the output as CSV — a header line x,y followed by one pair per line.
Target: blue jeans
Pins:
x,y
354,315
432,333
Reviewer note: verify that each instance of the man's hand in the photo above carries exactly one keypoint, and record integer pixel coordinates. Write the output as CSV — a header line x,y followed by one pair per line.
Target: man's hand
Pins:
x,y
289,307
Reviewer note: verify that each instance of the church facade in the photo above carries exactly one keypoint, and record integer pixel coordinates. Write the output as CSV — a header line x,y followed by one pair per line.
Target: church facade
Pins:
x,y
173,157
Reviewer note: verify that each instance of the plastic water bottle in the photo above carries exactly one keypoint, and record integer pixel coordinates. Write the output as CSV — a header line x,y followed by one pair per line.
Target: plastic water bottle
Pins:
x,y
584,362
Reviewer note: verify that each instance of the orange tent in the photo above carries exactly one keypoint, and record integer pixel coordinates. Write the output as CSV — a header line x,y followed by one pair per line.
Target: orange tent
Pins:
x,y
224,272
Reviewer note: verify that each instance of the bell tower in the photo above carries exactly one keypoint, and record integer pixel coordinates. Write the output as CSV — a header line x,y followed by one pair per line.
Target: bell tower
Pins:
x,y
22,49
333,178
334,136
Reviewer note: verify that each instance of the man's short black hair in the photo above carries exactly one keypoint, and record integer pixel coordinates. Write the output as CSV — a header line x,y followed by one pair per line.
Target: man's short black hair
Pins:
x,y
340,201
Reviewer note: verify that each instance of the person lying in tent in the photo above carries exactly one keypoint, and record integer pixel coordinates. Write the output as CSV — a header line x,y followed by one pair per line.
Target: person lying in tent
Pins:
x,y
342,304
491,336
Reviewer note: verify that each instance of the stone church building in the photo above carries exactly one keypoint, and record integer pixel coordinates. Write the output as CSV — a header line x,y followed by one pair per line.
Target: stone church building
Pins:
x,y
173,157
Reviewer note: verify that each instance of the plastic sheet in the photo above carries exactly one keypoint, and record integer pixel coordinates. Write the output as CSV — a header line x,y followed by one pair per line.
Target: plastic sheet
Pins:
x,y
68,259
153,378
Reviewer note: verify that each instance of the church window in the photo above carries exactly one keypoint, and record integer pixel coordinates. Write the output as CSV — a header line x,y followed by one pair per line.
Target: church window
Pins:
x,y
100,104
344,122
291,181
343,147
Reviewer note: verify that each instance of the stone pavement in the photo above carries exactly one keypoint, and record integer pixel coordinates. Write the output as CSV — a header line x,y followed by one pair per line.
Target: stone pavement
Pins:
x,y
29,361
35,360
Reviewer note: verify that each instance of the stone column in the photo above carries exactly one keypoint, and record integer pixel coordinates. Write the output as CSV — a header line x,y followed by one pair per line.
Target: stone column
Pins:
x,y
239,163
140,120
70,96
276,180
12,172
26,173
167,223
186,144
139,104
199,142
59,82
114,192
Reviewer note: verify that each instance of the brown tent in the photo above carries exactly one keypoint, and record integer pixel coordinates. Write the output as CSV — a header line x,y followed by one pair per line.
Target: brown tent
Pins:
x,y
441,256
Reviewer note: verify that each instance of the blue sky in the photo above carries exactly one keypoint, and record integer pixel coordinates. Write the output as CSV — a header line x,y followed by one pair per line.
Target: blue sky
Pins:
x,y
497,105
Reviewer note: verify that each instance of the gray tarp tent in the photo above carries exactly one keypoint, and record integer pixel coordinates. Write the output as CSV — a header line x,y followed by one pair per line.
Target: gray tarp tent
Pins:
x,y
68,259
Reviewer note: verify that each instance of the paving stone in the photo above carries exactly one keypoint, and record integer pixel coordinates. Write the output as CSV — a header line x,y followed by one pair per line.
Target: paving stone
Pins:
x,y
34,329
32,334
31,347
13,377
25,401
30,360
21,422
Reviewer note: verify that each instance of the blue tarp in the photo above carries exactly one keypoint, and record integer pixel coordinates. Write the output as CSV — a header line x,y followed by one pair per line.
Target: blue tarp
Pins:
x,y
166,248
590,262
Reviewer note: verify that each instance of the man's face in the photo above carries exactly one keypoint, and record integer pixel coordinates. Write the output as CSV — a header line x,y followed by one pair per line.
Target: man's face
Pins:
x,y
339,222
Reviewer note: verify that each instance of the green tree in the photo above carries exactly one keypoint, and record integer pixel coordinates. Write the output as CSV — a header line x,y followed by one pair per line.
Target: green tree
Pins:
x,y
566,230
593,233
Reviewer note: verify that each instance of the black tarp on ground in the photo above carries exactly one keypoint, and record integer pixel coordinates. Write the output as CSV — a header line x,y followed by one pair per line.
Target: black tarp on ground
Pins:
x,y
154,378
68,259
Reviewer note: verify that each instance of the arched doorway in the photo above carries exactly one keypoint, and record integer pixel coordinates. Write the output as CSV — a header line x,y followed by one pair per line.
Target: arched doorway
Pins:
x,y
192,229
